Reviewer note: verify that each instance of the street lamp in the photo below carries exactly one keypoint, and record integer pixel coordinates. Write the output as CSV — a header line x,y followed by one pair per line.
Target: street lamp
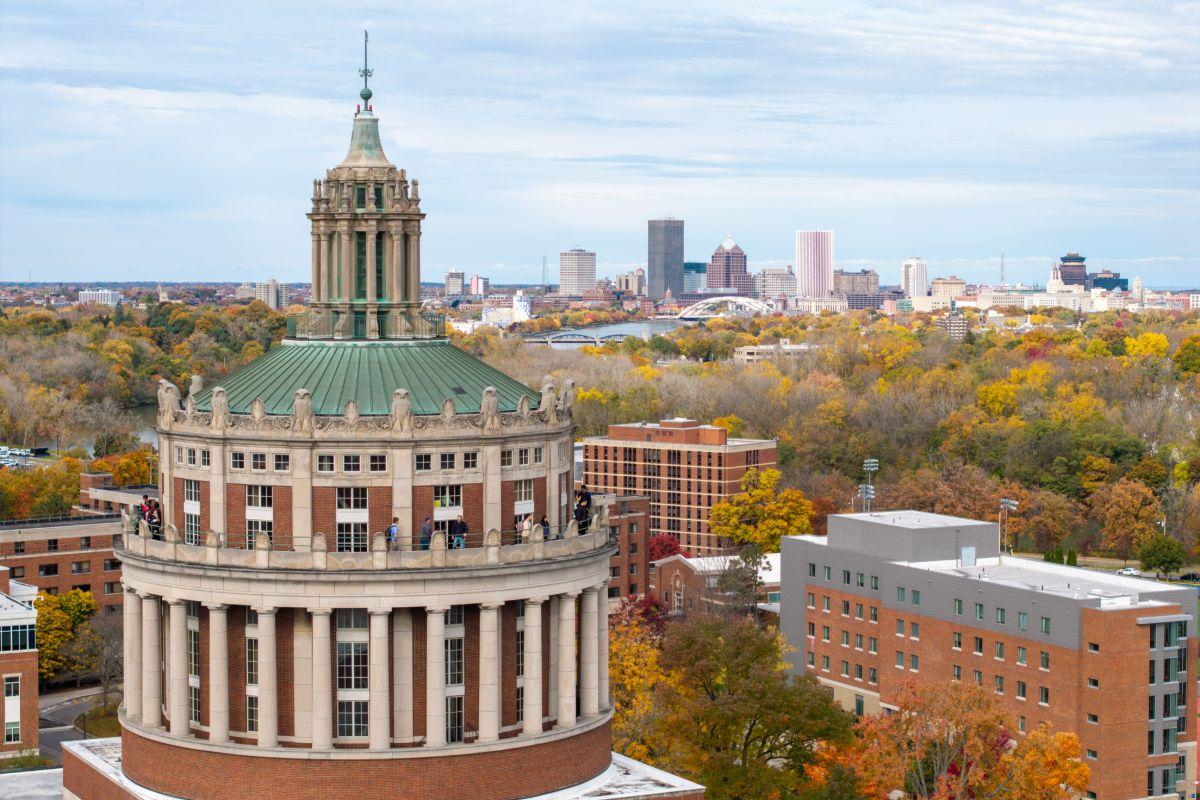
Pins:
x,y
1006,506
867,492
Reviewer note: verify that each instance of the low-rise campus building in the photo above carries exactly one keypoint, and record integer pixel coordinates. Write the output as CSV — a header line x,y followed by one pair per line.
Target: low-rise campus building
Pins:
x,y
894,596
18,668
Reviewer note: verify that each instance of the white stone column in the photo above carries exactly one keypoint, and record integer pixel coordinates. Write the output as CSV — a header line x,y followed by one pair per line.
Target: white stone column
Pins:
x,y
566,659
372,287
532,718
602,645
414,266
301,458
347,257
151,661
218,672
379,714
494,517
489,672
402,669
589,645
435,677
395,242
552,661
177,692
323,268
402,473
322,680
133,654
316,266
217,516
268,680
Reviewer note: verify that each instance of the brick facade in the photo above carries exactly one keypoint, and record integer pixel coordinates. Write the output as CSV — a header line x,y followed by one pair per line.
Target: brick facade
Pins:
x,y
24,664
56,564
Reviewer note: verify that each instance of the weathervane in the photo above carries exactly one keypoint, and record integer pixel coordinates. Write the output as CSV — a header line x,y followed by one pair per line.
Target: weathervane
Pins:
x,y
366,72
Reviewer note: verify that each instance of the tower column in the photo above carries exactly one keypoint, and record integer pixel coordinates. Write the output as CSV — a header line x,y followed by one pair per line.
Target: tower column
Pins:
x,y
347,267
268,680
322,677
566,659
316,266
218,672
379,705
133,654
532,716
414,266
402,668
371,283
602,645
151,661
395,241
323,270
489,672
589,678
435,677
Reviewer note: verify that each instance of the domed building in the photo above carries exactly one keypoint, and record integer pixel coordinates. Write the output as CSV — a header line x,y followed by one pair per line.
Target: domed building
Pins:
x,y
350,595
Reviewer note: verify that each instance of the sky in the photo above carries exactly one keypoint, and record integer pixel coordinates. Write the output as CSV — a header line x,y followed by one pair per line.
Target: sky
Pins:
x,y
178,141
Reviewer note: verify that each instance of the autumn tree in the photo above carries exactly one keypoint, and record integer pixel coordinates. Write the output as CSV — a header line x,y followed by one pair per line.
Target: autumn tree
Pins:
x,y
955,740
1162,554
762,513
751,727
1129,514
96,654
663,545
633,673
1187,357
59,620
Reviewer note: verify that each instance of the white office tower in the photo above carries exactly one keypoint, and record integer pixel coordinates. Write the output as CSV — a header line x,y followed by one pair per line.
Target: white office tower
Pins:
x,y
273,293
814,263
576,271
914,277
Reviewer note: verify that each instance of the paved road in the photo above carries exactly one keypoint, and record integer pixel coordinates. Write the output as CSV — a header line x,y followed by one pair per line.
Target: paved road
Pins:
x,y
55,725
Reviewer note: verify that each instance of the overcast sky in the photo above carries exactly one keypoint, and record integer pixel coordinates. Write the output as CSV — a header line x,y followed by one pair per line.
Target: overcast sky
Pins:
x,y
178,141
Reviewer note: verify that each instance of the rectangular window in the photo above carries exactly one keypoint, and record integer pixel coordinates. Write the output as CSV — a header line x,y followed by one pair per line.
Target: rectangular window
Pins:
x,y
1020,690
1044,695
956,672
378,463
256,528
859,580
80,567
914,665
110,564
283,462
523,491
259,496
1093,683
999,682
1045,660
194,704
112,587
471,460
979,611
978,676
874,614
351,463
824,603
916,597
846,577
1000,616
873,644
454,661
914,630
193,655
875,582
845,608
448,460
352,537
352,665
191,529
237,460
1093,719
1093,647
977,649
12,732
447,496
523,457
956,640
258,461
899,627
191,491
205,458
454,719
825,633
999,651
191,456
845,638
506,458
52,545
423,462
352,718
812,570
12,685
47,570
1022,620
251,662
325,463
900,659
1046,625
828,572
352,497
900,594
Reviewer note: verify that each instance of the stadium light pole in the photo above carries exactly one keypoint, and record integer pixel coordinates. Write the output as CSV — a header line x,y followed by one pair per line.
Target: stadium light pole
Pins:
x,y
1006,505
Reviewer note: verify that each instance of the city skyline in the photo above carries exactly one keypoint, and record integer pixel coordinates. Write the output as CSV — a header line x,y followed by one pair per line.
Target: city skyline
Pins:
x,y
973,150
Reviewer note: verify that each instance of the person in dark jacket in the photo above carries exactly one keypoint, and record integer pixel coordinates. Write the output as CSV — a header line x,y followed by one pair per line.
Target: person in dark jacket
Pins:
x,y
458,533
426,533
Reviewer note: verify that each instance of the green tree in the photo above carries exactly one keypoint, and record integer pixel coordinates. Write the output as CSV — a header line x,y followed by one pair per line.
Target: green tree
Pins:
x,y
1187,357
1162,554
1129,514
751,727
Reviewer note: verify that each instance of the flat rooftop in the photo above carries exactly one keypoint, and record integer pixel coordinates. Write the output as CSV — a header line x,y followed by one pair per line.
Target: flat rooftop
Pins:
x,y
913,520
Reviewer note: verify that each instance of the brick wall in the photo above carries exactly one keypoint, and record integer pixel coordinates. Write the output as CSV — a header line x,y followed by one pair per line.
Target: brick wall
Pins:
x,y
379,509
24,664
235,515
422,507
26,567
324,511
494,775
281,525
473,510
177,506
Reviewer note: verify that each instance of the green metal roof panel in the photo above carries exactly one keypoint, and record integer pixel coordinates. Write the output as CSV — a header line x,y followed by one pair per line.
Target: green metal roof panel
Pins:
x,y
368,373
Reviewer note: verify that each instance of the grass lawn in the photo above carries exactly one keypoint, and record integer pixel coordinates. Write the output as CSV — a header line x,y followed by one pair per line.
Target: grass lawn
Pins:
x,y
100,722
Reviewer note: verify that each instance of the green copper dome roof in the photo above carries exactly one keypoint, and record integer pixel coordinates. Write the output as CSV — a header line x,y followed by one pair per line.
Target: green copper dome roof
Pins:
x,y
368,373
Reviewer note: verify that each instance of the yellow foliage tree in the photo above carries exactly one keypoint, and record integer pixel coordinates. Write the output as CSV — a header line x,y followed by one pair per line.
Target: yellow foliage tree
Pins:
x,y
633,672
1147,345
59,619
762,513
732,423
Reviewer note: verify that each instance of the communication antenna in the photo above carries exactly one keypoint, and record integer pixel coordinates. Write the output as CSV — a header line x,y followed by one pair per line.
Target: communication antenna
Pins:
x,y
545,285
1002,283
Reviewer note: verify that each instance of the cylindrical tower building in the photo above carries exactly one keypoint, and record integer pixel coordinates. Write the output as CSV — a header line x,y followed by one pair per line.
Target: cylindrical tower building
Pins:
x,y
368,580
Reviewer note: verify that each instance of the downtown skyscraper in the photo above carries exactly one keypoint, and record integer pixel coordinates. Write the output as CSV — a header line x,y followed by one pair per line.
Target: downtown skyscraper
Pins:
x,y
914,277
814,263
664,257
576,271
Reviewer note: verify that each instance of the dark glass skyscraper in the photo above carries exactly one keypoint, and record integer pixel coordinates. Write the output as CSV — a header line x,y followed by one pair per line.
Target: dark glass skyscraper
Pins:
x,y
664,258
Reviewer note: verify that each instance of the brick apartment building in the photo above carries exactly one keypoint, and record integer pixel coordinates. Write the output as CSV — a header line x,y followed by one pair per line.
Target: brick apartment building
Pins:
x,y
56,557
629,567
687,584
682,466
18,668
904,595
